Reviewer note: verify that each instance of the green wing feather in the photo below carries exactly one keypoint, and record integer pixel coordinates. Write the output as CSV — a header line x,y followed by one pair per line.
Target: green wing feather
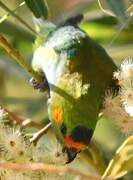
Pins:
x,y
78,85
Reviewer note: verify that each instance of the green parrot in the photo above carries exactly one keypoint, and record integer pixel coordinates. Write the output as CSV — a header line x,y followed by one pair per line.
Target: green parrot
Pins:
x,y
77,73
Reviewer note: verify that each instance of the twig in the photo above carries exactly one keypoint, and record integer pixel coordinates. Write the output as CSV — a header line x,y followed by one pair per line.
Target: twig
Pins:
x,y
105,11
40,133
17,17
28,122
47,168
16,55
21,120
122,27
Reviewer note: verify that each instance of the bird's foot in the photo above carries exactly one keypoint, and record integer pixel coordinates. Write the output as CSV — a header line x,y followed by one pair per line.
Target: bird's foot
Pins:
x,y
43,86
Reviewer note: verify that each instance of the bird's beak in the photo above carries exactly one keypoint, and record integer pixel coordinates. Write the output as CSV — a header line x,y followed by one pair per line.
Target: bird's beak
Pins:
x,y
71,153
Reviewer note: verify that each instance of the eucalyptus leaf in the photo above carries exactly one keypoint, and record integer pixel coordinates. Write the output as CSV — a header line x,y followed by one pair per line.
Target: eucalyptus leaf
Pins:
x,y
122,162
38,7
12,30
129,165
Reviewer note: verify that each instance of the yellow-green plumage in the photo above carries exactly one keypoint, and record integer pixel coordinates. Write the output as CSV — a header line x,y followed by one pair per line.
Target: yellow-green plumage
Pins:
x,y
79,72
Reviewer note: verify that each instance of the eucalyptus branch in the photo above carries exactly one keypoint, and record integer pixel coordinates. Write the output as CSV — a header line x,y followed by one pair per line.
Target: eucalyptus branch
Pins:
x,y
24,122
40,133
17,17
21,61
45,167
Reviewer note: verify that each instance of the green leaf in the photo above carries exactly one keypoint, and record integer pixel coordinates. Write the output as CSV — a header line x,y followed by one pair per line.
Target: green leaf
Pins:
x,y
38,7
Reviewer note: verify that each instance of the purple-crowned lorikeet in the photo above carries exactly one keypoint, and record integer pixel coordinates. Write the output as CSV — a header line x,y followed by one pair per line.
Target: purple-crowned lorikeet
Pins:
x,y
78,72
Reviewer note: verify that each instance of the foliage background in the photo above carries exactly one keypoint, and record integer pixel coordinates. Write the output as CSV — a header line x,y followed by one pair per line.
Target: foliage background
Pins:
x,y
15,92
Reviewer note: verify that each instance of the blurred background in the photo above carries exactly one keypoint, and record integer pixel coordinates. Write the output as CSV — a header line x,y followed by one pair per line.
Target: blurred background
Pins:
x,y
111,26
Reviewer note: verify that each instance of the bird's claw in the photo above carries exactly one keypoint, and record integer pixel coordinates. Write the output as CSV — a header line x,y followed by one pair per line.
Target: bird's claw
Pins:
x,y
43,86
